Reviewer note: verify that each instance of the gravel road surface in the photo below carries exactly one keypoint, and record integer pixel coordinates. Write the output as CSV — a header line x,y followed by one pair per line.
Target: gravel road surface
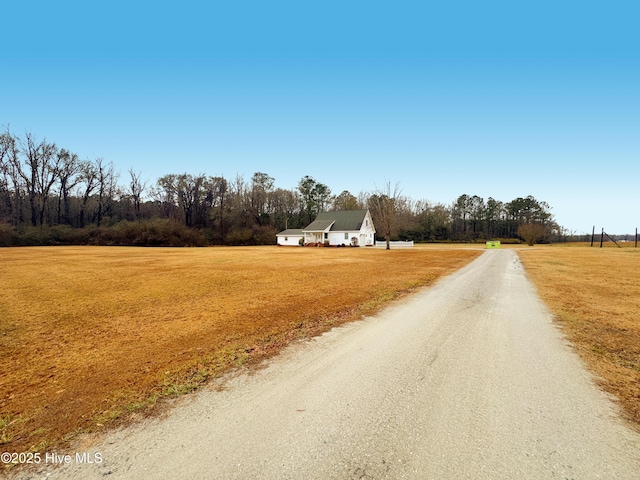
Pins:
x,y
468,379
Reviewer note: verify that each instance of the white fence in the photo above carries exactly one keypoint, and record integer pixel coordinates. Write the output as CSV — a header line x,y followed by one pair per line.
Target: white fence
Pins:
x,y
394,244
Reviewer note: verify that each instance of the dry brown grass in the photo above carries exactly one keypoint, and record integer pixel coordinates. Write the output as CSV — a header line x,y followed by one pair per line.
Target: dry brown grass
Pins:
x,y
90,334
595,295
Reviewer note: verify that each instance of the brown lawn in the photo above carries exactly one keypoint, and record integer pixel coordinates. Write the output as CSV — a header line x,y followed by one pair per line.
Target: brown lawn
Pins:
x,y
90,334
595,295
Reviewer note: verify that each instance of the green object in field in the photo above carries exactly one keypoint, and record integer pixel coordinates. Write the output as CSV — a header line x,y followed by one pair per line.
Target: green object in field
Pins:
x,y
493,244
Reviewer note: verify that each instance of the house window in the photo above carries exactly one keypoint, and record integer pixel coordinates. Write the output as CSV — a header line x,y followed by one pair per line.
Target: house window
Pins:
x,y
346,236
286,239
326,235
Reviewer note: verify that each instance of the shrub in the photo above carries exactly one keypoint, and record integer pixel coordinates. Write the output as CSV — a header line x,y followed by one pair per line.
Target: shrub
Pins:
x,y
532,232
33,236
240,236
264,235
7,235
148,233
158,232
67,235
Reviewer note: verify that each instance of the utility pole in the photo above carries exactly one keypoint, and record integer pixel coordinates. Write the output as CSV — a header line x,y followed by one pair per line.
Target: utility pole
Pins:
x,y
593,233
601,237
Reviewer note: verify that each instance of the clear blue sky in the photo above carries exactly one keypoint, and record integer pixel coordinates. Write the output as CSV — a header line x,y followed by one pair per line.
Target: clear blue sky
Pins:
x,y
499,98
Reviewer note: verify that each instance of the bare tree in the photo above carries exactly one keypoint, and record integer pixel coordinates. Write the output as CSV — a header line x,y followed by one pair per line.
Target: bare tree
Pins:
x,y
189,191
532,232
38,172
220,189
8,150
165,194
68,178
136,189
261,186
107,185
285,205
89,182
384,204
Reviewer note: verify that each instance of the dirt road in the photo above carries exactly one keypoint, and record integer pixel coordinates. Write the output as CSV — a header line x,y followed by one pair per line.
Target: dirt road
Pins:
x,y
467,379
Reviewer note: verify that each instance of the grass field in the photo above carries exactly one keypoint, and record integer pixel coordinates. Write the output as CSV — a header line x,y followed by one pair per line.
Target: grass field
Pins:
x,y
595,295
90,335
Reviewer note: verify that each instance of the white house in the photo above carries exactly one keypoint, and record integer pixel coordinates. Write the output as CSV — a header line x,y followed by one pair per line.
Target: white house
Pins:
x,y
349,227
290,237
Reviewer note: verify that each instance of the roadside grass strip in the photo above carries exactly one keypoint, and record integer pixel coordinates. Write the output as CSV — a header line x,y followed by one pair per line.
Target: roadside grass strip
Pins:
x,y
594,294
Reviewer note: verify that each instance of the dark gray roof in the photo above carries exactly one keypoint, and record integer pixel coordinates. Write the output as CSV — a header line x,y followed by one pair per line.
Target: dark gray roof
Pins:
x,y
291,232
347,220
318,225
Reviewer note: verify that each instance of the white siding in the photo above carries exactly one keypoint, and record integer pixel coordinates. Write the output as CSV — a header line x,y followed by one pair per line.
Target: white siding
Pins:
x,y
368,230
337,238
289,240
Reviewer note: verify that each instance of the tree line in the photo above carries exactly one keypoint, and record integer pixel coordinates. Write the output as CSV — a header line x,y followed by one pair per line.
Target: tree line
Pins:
x,y
49,195
471,218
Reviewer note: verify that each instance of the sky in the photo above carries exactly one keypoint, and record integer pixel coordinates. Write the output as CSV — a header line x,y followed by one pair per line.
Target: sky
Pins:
x,y
497,99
